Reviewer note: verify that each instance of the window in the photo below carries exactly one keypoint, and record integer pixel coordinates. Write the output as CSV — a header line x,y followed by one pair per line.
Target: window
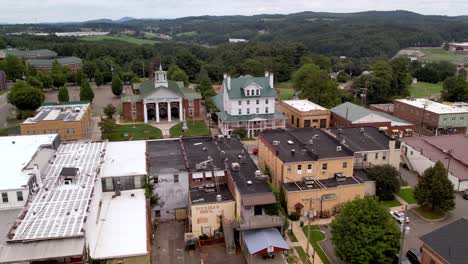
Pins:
x,y
345,165
258,101
138,181
461,117
248,92
190,111
445,119
377,156
248,111
248,102
157,213
239,102
292,119
411,153
266,110
190,103
384,156
364,158
289,168
257,110
108,184
299,167
266,101
73,131
19,196
258,92
240,111
5,197
176,178
309,168
68,131
306,123
324,166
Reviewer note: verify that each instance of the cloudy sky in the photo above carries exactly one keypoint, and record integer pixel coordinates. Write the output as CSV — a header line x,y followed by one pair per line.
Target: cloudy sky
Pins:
x,y
27,11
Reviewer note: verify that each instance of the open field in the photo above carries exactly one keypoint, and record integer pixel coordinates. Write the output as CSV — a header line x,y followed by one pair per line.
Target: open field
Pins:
x,y
187,34
424,90
439,54
120,38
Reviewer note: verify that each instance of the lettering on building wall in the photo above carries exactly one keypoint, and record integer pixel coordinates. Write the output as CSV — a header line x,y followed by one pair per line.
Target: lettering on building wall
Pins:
x,y
208,209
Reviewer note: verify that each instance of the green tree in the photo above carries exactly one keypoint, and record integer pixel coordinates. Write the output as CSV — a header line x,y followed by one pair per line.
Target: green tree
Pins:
x,y
386,181
314,84
71,76
34,82
252,67
58,79
13,67
98,78
240,131
401,78
117,85
109,110
107,126
86,93
455,89
206,88
45,79
63,95
57,68
80,77
434,190
364,232
175,73
89,68
446,46
25,97
342,77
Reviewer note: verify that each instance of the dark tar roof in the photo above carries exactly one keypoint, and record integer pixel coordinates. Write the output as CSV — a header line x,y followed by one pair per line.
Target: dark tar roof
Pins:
x,y
450,241
201,149
361,175
308,144
165,156
68,171
320,184
232,149
363,138
196,196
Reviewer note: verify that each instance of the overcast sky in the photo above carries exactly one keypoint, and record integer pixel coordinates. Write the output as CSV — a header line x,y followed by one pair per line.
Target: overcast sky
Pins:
x,y
33,11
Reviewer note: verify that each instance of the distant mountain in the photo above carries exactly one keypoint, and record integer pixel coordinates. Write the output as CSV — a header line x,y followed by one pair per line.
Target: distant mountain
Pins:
x,y
95,21
125,19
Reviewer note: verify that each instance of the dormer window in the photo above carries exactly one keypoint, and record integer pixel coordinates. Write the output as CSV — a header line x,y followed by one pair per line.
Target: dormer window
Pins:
x,y
248,92
258,92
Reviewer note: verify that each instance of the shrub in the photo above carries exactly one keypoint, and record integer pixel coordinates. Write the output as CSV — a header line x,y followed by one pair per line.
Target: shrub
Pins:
x,y
294,216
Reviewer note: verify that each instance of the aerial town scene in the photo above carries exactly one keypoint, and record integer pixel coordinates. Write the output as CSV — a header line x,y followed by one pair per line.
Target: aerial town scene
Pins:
x,y
234,132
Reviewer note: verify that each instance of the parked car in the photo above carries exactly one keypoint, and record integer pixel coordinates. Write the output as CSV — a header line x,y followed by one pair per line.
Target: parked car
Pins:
x,y
465,194
413,256
400,217
255,151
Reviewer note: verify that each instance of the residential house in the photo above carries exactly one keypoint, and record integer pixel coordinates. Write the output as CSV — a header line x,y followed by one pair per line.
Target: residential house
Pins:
x,y
248,102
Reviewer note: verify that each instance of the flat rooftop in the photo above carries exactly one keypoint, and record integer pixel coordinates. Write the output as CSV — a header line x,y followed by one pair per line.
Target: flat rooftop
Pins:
x,y
200,149
199,196
233,151
59,209
64,112
127,158
320,184
16,153
304,144
435,107
363,138
165,156
304,105
122,226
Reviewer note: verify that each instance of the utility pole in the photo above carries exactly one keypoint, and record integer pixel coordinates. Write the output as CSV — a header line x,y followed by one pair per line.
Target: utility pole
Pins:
x,y
403,233
308,231
449,158
422,119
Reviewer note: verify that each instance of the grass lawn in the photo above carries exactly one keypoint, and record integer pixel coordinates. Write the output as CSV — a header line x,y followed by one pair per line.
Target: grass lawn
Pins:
x,y
315,236
407,194
439,54
195,128
391,203
291,235
140,132
424,90
301,252
286,94
15,130
428,214
187,34
120,38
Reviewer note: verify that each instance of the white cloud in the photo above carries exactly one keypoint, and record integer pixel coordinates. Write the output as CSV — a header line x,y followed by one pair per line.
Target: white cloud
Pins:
x,y
26,11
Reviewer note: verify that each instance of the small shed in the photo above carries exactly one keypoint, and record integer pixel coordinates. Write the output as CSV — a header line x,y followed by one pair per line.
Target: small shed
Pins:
x,y
263,241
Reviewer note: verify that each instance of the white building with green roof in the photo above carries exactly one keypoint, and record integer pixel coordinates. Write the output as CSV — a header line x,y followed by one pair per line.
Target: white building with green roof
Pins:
x,y
248,102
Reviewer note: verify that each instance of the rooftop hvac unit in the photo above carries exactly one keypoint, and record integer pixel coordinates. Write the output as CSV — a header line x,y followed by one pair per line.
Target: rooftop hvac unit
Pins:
x,y
258,173
276,142
219,198
340,130
249,182
338,148
362,130
290,142
293,151
340,177
308,180
209,185
235,166
311,141
316,136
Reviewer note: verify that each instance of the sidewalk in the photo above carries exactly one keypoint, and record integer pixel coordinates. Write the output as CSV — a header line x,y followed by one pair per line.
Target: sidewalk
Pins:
x,y
302,239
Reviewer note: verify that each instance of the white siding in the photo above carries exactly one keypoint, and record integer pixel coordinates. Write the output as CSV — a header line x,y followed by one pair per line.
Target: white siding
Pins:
x,y
234,106
13,199
172,195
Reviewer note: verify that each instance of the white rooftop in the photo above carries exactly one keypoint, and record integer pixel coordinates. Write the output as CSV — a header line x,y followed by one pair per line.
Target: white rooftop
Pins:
x,y
122,226
58,210
304,105
127,158
434,107
69,112
15,154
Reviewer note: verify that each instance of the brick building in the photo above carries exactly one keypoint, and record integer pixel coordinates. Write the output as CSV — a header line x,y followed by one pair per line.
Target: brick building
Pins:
x,y
160,99
71,121
72,63
432,117
304,113
351,115
28,54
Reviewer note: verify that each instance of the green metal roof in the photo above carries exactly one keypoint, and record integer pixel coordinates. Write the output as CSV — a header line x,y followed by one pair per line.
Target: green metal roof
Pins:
x,y
30,53
130,98
239,83
235,118
65,103
50,62
353,112
218,101
147,87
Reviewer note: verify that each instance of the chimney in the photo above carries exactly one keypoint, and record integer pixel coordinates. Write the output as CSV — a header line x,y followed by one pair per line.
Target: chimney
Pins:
x,y
267,74
293,151
272,81
228,82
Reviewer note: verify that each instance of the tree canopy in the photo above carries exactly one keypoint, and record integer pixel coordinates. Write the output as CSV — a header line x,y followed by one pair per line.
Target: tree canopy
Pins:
x,y
364,232
455,89
434,190
25,97
63,95
175,73
86,93
386,181
117,85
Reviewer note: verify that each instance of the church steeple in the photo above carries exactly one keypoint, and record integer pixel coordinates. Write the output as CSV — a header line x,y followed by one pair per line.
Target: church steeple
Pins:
x,y
160,78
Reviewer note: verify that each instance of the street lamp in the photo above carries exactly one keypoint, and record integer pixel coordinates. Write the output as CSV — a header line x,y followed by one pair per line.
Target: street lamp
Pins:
x,y
314,214
404,231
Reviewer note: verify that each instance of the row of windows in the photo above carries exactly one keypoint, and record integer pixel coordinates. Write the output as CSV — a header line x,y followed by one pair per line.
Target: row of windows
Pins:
x,y
455,118
51,131
257,111
309,167
254,92
384,156
19,197
256,102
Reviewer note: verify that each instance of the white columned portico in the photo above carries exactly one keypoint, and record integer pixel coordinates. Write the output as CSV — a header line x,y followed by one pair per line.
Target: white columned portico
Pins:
x,y
145,112
169,117
157,112
181,111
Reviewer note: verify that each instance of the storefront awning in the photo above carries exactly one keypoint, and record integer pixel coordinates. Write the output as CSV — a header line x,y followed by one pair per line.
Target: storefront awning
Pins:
x,y
264,240
197,175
